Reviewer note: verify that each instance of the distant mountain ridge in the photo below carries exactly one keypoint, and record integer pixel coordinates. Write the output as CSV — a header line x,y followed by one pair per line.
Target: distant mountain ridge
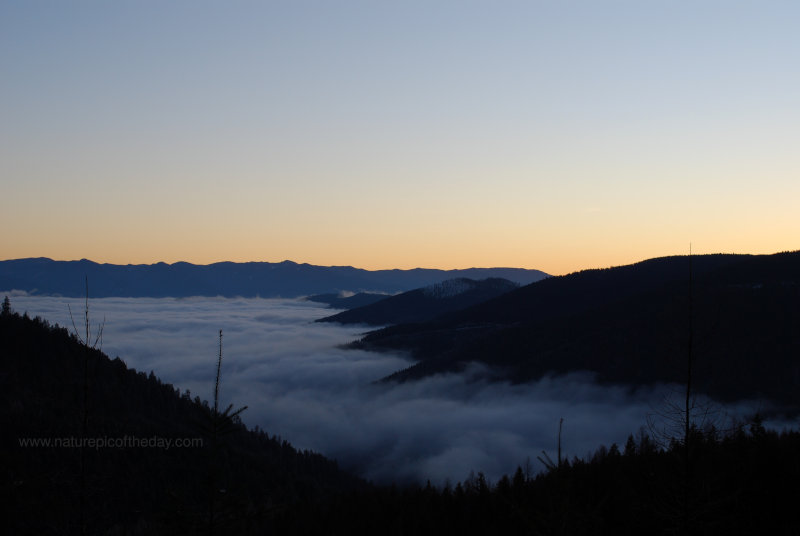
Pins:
x,y
425,304
286,279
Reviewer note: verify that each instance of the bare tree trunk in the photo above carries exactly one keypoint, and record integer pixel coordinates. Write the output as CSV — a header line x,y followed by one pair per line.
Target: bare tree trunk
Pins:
x,y
560,425
687,432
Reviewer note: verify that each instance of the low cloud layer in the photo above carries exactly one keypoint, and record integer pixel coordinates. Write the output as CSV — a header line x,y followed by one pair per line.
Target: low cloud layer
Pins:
x,y
298,384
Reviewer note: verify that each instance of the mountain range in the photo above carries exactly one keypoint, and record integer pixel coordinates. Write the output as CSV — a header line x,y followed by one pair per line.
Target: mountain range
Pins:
x,y
285,279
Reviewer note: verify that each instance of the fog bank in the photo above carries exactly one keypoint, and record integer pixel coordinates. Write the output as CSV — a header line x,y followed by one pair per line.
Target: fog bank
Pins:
x,y
298,384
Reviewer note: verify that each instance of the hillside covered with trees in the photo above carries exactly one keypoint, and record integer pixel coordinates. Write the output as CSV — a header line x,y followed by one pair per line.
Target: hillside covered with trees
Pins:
x,y
631,325
55,389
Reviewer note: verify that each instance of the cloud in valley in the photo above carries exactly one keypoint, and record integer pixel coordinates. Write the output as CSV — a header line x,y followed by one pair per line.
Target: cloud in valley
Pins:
x,y
298,384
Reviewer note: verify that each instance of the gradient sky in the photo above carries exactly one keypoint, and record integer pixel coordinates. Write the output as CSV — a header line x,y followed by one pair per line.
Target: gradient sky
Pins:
x,y
556,135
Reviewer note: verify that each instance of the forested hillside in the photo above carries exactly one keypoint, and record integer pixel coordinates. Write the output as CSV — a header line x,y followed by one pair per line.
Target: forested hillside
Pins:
x,y
245,475
632,325
740,483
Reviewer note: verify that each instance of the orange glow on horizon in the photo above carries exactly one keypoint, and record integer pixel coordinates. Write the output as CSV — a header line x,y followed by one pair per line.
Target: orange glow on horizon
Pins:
x,y
552,266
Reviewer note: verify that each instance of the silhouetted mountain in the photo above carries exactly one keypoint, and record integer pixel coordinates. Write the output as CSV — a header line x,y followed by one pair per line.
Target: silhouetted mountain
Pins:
x,y
631,325
337,301
134,485
285,279
424,304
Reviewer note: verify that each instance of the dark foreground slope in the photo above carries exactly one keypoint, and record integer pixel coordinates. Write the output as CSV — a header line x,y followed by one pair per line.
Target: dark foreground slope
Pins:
x,y
284,279
131,487
631,325
424,304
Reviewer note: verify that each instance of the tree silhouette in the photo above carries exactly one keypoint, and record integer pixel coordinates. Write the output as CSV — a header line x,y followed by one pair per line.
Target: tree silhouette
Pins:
x,y
217,424
87,348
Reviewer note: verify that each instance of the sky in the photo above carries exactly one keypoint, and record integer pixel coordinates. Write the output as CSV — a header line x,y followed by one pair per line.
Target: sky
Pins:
x,y
298,384
555,135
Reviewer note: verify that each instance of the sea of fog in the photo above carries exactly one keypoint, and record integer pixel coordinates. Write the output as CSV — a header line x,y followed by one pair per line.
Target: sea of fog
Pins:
x,y
301,386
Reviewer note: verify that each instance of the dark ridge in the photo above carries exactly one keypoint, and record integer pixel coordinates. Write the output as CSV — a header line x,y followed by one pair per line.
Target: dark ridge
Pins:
x,y
424,304
630,325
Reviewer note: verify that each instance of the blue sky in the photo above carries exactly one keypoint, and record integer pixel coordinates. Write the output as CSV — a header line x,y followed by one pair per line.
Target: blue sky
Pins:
x,y
549,135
